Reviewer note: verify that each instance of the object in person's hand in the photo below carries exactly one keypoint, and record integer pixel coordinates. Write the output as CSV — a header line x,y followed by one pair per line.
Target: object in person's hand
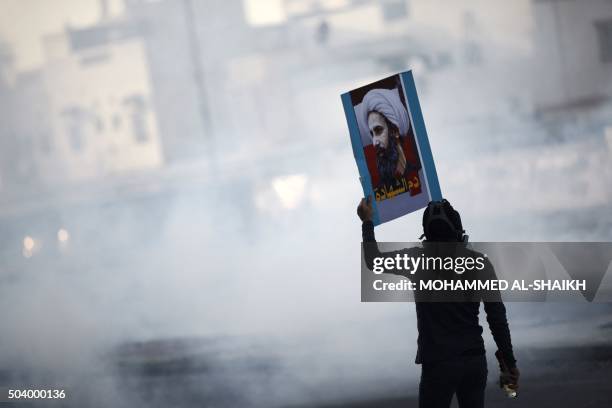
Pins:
x,y
505,373
510,393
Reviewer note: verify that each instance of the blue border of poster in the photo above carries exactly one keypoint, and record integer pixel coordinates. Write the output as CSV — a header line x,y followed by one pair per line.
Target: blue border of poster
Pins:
x,y
429,169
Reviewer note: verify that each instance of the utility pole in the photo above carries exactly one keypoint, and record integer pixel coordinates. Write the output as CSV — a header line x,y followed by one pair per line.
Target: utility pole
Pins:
x,y
198,77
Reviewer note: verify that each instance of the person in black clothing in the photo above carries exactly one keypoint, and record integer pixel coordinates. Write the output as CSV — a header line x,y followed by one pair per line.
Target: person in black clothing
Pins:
x,y
450,344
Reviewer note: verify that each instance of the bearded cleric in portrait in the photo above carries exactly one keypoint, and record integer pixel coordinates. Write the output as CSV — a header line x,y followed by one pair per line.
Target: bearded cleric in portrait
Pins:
x,y
397,163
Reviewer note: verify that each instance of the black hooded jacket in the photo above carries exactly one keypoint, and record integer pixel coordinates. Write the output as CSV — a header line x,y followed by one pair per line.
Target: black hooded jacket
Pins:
x,y
451,329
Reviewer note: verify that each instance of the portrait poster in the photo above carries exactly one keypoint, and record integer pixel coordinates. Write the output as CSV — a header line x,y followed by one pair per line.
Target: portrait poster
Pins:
x,y
391,146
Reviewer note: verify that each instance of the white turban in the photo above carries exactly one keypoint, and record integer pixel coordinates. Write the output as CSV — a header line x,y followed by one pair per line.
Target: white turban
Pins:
x,y
387,103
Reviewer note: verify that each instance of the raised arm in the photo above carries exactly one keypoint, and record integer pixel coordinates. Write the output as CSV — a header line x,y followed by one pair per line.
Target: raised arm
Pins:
x,y
370,247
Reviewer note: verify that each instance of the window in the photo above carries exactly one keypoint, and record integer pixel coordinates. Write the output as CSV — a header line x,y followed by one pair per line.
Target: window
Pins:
x,y
74,122
137,111
394,9
604,37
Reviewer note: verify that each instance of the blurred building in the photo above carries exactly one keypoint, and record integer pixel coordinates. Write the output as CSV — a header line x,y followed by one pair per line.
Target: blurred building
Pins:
x,y
23,114
573,58
100,101
171,81
7,131
84,115
175,62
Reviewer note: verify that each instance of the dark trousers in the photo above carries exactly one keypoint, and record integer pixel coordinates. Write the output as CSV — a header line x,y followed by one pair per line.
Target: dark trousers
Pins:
x,y
465,376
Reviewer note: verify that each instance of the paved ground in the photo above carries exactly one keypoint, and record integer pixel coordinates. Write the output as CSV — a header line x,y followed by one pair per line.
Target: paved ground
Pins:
x,y
562,377
221,373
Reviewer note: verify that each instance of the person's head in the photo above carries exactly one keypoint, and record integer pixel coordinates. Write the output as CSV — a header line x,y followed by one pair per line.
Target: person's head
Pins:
x,y
442,223
385,109
385,138
387,120
382,131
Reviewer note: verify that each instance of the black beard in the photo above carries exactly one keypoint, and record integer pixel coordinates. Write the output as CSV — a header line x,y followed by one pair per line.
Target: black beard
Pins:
x,y
386,162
